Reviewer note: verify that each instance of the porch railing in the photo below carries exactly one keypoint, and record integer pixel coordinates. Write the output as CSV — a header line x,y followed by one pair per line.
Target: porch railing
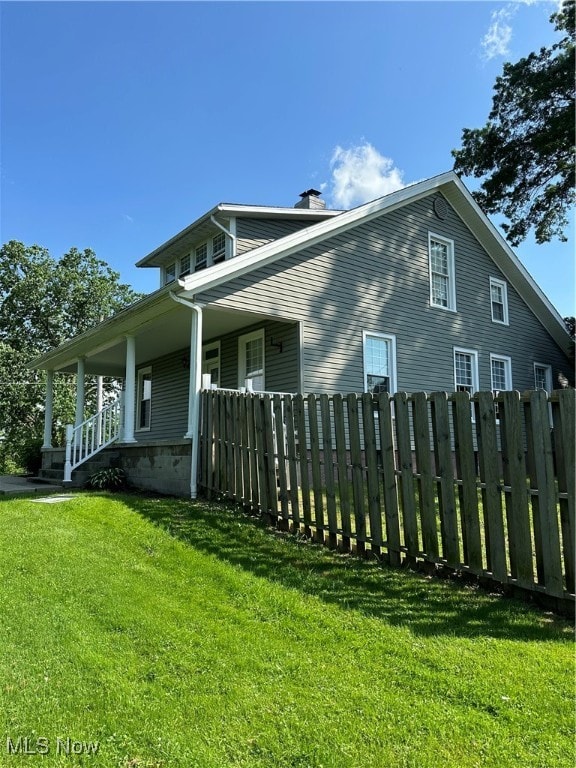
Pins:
x,y
90,437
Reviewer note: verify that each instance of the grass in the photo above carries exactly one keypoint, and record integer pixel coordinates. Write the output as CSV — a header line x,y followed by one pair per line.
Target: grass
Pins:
x,y
180,634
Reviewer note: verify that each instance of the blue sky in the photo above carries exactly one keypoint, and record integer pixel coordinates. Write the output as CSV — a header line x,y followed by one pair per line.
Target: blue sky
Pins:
x,y
123,122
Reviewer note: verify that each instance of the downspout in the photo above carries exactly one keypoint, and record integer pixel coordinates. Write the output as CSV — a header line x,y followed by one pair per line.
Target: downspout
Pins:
x,y
194,392
227,233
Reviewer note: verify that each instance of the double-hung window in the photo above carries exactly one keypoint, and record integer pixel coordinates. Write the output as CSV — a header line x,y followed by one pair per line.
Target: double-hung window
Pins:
x,y
543,377
442,278
170,273
184,266
466,370
201,257
144,401
501,373
499,301
379,362
211,362
251,360
218,248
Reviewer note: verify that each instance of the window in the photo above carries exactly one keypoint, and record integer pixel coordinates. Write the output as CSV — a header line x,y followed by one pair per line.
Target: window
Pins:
x,y
499,301
379,362
251,360
144,410
501,373
543,377
218,247
211,362
170,273
200,257
465,370
184,266
442,281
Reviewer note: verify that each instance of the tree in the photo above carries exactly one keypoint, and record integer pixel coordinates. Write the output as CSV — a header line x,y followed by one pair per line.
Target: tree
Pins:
x,y
526,149
43,302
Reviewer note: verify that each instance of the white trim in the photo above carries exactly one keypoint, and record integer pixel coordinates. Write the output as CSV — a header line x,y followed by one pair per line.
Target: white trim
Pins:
x,y
507,372
390,339
497,282
451,271
139,379
474,368
242,341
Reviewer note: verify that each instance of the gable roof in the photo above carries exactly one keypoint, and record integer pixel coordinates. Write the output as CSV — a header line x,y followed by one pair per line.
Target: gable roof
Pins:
x,y
336,222
457,195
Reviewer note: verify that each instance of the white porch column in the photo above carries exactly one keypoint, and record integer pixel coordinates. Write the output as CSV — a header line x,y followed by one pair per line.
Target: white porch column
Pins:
x,y
130,393
48,409
80,367
195,381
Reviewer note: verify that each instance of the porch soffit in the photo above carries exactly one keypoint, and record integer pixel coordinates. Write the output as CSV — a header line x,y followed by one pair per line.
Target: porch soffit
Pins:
x,y
163,334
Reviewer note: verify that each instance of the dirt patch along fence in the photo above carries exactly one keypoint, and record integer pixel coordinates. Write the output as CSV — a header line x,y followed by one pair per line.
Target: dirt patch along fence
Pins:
x,y
482,485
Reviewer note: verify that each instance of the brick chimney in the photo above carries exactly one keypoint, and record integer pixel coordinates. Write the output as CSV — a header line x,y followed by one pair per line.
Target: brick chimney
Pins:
x,y
310,199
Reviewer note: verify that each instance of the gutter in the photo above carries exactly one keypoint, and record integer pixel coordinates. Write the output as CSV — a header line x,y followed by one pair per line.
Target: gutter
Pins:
x,y
194,389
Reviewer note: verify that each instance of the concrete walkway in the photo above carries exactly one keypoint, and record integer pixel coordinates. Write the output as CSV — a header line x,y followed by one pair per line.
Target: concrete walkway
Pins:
x,y
19,484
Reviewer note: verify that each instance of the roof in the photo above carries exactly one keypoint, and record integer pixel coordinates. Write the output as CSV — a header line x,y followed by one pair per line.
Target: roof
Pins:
x,y
448,184
185,239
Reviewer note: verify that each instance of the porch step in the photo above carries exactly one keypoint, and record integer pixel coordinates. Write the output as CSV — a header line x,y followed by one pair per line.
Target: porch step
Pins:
x,y
55,478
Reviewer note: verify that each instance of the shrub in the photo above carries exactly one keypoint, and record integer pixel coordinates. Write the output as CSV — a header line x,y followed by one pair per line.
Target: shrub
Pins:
x,y
30,456
109,479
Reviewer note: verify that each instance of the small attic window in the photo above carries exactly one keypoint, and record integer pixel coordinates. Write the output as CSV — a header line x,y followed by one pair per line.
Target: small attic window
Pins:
x,y
201,257
218,247
184,266
170,273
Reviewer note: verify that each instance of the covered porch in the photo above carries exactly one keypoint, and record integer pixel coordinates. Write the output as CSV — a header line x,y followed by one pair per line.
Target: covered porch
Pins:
x,y
161,352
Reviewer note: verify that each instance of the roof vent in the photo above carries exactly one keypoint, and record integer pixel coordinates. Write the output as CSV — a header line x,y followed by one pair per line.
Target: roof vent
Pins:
x,y
310,199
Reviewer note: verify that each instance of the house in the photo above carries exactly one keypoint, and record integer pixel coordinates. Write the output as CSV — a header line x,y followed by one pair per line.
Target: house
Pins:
x,y
414,291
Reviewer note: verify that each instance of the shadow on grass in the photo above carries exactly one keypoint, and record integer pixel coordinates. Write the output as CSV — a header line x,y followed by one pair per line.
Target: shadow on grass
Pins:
x,y
427,606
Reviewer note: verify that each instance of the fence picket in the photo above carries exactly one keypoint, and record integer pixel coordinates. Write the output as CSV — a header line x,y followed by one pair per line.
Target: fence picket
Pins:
x,y
281,454
316,468
357,485
514,471
343,479
468,489
328,455
388,469
544,510
564,418
490,476
269,455
246,497
407,489
303,454
421,425
372,474
292,461
253,452
446,496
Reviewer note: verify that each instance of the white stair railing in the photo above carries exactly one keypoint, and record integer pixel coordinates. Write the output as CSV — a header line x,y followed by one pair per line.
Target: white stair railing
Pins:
x,y
90,437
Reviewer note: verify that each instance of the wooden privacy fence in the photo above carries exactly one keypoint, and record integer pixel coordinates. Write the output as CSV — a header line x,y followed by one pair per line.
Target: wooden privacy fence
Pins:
x,y
483,485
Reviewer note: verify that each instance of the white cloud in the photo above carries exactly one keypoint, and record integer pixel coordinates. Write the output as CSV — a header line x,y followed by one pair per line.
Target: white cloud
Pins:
x,y
360,174
128,218
497,40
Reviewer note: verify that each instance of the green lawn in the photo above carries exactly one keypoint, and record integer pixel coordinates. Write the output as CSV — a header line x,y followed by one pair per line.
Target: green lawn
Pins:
x,y
180,634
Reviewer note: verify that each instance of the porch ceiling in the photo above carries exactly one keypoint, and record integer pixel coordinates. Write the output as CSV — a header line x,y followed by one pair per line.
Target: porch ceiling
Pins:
x,y
159,336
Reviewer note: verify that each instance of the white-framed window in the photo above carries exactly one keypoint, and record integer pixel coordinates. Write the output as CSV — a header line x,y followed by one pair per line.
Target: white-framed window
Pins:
x,y
442,277
170,273
543,377
499,301
211,362
201,257
144,399
465,370
251,360
218,248
184,266
501,373
379,362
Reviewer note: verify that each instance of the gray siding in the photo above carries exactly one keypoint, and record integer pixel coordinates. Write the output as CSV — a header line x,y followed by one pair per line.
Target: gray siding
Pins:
x,y
252,233
374,277
170,376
